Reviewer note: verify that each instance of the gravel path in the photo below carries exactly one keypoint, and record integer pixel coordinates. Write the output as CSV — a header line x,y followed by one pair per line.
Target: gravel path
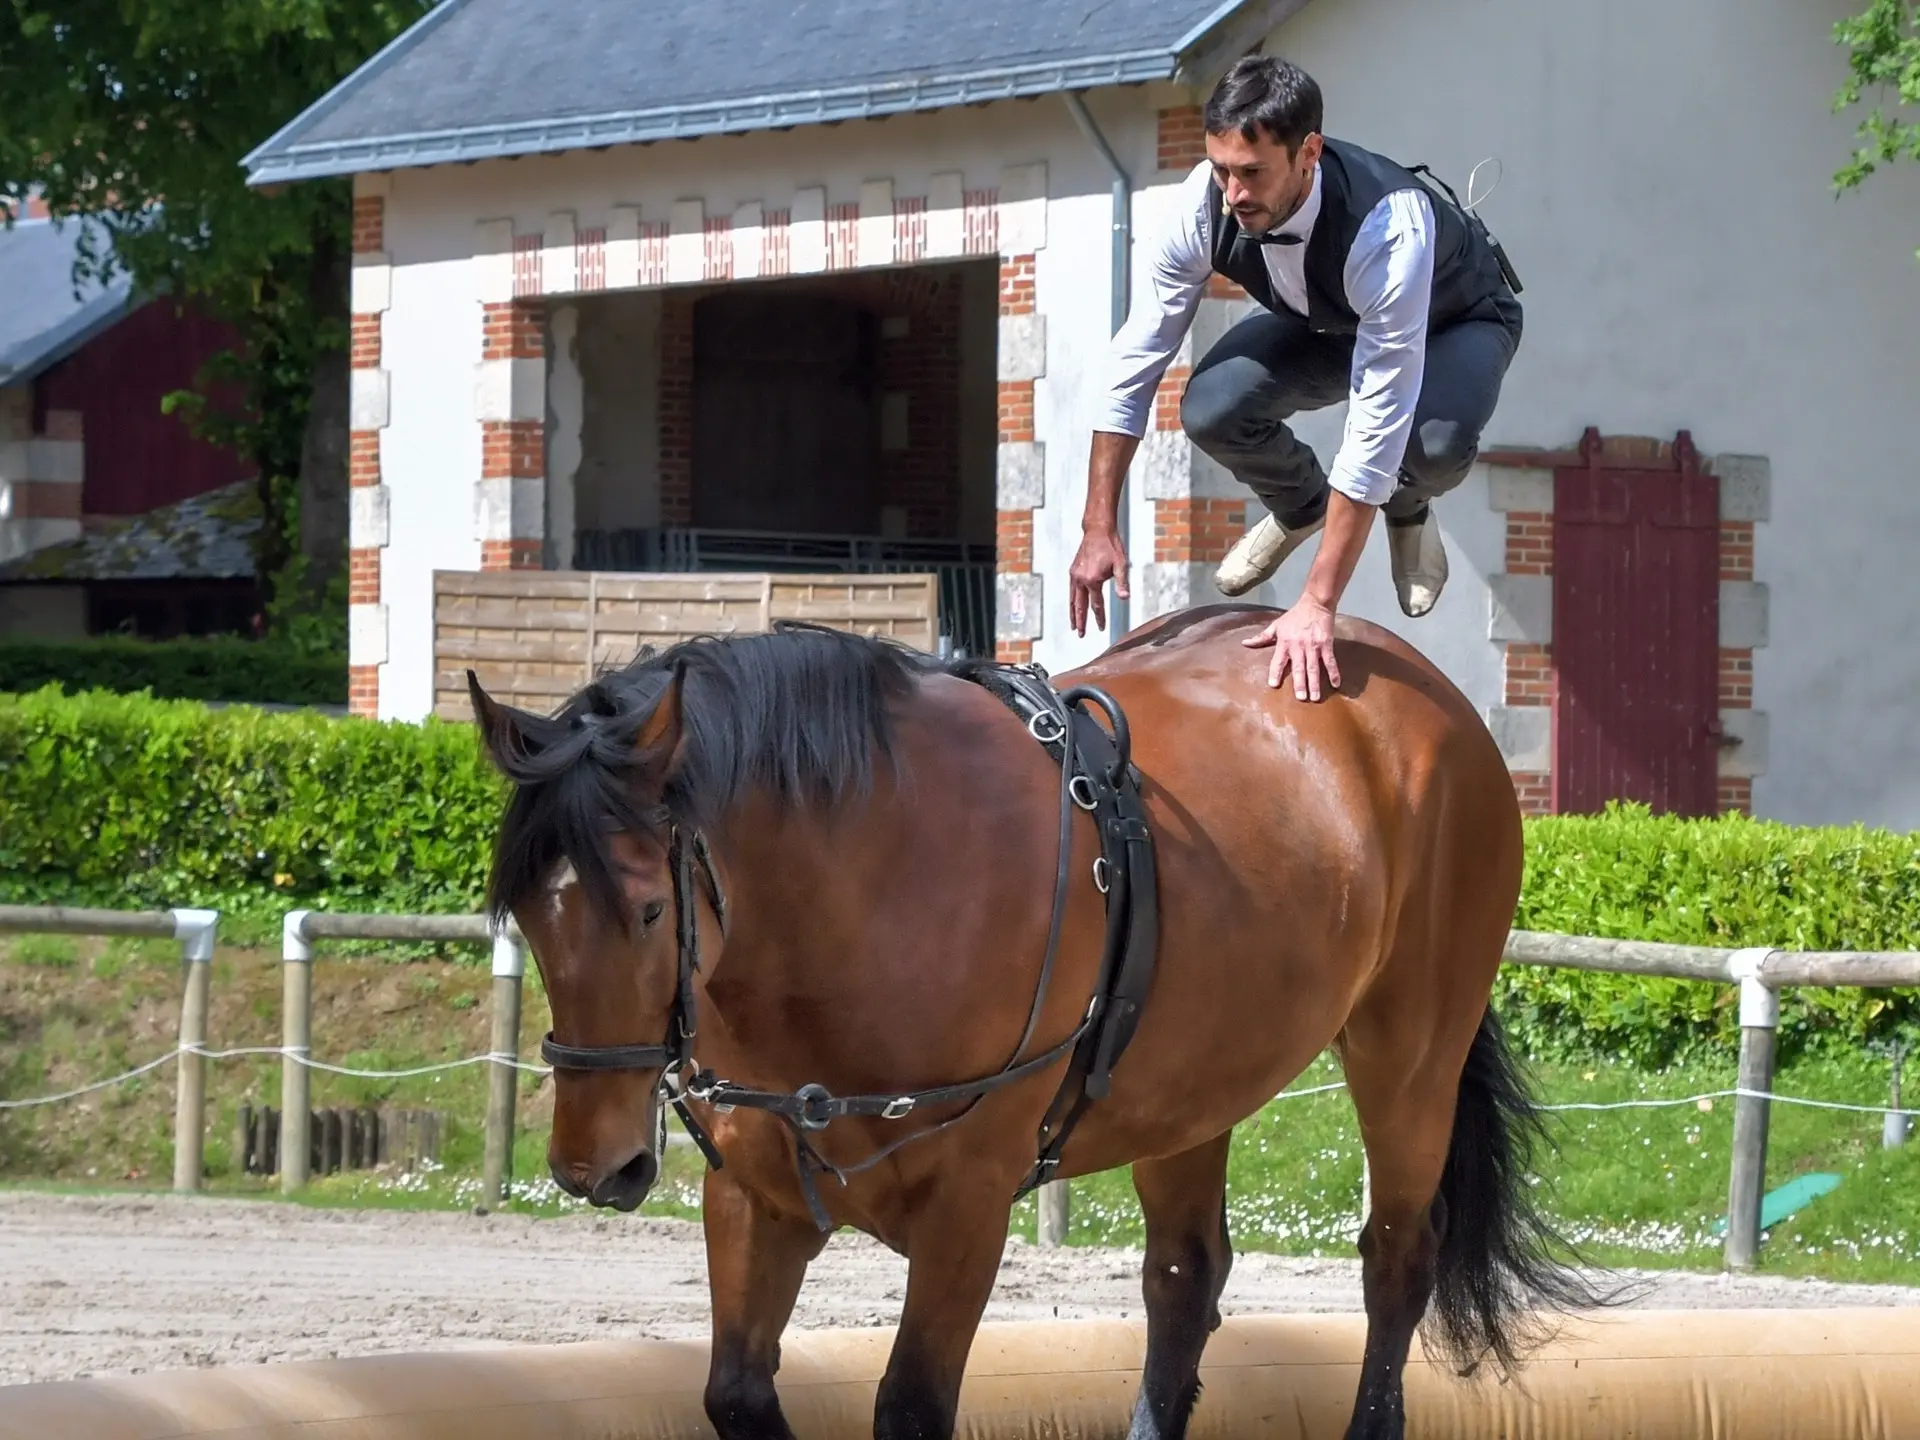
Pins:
x,y
103,1286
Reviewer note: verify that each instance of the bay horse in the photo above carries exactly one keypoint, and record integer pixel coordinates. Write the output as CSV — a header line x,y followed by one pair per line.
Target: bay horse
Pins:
x,y
835,867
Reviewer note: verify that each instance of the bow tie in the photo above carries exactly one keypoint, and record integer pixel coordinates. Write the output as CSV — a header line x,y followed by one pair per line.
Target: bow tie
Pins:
x,y
1273,239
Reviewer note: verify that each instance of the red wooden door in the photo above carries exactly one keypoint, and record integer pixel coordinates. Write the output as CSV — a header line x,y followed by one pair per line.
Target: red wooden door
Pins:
x,y
1636,639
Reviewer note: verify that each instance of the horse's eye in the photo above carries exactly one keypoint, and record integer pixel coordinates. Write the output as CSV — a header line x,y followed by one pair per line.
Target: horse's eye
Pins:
x,y
654,910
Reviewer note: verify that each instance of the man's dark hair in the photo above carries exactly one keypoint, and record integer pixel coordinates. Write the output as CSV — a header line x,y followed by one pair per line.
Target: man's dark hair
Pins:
x,y
1264,92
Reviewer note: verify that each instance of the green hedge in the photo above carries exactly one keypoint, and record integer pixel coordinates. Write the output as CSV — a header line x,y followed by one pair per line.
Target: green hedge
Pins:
x,y
125,800
215,668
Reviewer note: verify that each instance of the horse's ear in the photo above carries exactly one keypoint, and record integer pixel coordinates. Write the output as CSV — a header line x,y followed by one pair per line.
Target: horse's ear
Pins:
x,y
661,744
499,725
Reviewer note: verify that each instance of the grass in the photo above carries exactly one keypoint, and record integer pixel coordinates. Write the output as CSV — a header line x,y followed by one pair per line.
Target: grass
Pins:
x,y
1635,1186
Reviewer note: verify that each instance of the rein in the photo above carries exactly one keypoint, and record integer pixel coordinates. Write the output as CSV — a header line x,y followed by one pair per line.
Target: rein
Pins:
x,y
813,1107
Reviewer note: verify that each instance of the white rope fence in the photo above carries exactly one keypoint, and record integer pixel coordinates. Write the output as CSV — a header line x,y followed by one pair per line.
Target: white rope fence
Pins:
x,y
1659,1102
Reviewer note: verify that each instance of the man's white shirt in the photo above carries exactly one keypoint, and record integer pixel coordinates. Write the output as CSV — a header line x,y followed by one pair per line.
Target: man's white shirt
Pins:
x,y
1388,279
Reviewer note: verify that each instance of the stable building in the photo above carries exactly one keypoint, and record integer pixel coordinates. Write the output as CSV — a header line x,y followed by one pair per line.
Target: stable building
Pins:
x,y
755,289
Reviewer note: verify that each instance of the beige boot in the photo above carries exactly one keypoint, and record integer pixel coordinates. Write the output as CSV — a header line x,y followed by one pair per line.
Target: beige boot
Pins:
x,y
1259,553
1419,564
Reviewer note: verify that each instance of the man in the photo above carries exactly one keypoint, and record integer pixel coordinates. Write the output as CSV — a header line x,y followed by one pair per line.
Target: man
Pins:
x,y
1373,289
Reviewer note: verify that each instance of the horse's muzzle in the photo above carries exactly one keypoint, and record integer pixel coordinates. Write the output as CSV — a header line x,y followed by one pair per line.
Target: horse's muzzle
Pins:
x,y
623,1189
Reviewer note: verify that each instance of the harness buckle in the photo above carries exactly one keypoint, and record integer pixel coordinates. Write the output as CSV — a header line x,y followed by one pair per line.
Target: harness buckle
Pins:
x,y
897,1109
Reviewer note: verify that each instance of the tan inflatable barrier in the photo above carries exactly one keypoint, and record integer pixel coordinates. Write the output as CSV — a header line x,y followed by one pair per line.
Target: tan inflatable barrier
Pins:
x,y
1646,1375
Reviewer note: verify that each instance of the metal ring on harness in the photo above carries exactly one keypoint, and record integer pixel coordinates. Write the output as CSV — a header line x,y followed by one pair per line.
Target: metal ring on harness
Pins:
x,y
1084,795
1055,727
815,1102
1102,874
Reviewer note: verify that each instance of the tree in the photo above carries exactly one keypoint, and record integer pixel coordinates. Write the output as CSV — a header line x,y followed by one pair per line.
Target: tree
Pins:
x,y
1884,53
134,115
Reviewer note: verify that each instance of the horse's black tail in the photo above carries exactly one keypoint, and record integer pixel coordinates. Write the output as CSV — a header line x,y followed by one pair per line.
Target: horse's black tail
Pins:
x,y
1495,1273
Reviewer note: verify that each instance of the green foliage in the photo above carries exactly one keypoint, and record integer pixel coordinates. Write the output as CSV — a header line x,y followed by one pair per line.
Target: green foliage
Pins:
x,y
135,115
128,801
1883,44
1728,882
216,668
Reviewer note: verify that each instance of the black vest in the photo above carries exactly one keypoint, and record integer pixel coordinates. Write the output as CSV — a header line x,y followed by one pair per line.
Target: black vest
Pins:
x,y
1467,280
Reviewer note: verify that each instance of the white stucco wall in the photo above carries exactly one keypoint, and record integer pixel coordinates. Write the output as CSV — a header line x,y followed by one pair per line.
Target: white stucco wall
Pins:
x,y
1667,200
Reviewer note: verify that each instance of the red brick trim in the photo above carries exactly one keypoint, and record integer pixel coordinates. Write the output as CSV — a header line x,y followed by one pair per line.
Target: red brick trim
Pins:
x,y
65,425
1013,541
512,450
369,224
1529,543
511,331
1182,140
363,690
676,411
1196,531
363,577
363,457
1534,790
1013,652
512,554
366,341
1736,795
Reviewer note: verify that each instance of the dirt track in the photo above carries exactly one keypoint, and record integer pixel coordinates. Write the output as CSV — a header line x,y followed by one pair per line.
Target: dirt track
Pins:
x,y
125,1284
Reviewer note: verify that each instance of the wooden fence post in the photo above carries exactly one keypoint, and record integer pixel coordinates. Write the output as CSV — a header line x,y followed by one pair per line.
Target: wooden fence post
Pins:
x,y
194,930
1052,1227
509,970
296,1042
1759,1022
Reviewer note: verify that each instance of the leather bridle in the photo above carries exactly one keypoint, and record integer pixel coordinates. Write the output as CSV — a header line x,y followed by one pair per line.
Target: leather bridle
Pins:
x,y
1092,787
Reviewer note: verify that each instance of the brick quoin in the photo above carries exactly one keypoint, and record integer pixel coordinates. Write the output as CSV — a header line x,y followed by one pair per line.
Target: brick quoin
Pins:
x,y
1534,790
1013,541
1167,395
1736,550
65,425
1736,795
1529,543
46,500
1529,675
1016,285
1182,138
363,457
1013,652
511,554
1736,679
1196,531
511,331
369,225
363,577
512,449
676,411
363,690
366,342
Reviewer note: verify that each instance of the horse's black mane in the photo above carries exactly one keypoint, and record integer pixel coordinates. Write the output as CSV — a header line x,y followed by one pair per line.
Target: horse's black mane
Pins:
x,y
802,712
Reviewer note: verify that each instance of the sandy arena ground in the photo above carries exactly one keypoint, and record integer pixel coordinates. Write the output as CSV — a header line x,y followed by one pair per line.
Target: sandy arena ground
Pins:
x,y
127,1284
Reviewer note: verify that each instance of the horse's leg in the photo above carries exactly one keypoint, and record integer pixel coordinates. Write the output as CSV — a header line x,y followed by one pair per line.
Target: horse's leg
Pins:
x,y
954,1247
1404,1121
1183,1199
756,1261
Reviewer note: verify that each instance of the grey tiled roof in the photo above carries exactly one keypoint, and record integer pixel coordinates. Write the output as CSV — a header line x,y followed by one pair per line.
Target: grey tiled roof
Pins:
x,y
481,78
41,318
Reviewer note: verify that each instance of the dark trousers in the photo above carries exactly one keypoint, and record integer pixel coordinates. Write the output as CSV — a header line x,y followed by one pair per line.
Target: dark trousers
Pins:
x,y
1270,367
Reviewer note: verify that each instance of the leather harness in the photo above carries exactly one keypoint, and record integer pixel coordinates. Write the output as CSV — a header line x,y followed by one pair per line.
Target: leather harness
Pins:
x,y
1096,775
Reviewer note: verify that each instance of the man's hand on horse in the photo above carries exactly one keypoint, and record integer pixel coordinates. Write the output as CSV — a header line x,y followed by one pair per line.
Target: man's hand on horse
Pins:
x,y
1302,641
1101,558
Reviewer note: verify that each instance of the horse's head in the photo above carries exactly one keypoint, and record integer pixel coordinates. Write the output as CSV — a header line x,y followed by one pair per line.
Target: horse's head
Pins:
x,y
588,865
